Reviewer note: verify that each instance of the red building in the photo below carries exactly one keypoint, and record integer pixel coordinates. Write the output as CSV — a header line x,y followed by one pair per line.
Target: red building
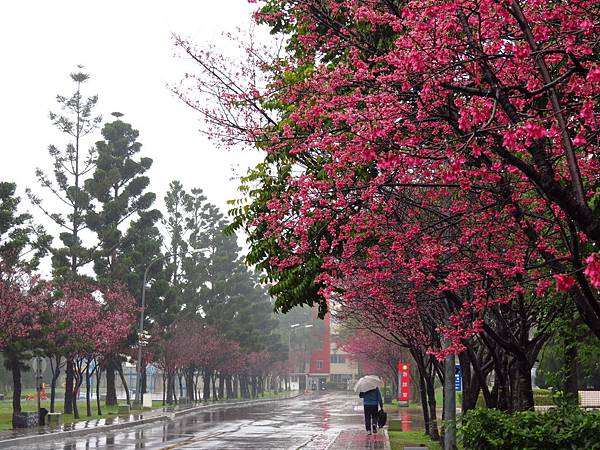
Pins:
x,y
318,373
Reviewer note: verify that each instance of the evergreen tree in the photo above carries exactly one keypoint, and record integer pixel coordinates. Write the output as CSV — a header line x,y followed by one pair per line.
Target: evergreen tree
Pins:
x,y
126,244
174,223
71,166
209,283
221,288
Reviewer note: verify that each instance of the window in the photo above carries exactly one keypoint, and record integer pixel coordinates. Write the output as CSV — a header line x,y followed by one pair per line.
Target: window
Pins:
x,y
337,359
319,363
340,377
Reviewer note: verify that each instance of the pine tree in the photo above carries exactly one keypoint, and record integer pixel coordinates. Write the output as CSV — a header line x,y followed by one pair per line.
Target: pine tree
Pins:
x,y
118,189
72,165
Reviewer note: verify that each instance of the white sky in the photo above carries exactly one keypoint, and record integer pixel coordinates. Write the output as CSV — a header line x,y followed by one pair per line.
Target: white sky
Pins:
x,y
126,47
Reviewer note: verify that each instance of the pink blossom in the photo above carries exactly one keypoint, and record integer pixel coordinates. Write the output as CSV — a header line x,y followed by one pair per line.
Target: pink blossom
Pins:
x,y
592,270
563,282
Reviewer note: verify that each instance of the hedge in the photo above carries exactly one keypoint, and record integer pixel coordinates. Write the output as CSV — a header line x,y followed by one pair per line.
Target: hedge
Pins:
x,y
541,397
557,429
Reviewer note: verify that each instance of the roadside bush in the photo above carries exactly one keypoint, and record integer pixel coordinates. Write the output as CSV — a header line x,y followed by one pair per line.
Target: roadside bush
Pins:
x,y
557,429
480,400
542,397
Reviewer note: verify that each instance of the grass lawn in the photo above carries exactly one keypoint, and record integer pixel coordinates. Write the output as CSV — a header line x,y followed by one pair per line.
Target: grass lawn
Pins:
x,y
31,406
107,411
400,439
393,407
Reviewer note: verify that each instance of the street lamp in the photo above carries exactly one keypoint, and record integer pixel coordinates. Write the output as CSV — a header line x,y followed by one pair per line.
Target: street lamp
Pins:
x,y
138,369
292,328
38,381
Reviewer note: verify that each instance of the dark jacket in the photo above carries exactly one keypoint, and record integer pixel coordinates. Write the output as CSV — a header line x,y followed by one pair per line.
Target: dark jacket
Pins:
x,y
372,397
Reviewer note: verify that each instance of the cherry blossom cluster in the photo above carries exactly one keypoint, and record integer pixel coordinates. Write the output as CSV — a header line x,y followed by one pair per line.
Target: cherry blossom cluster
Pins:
x,y
439,158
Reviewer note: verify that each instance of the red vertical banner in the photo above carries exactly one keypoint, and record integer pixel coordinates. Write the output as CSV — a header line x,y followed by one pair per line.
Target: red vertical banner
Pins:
x,y
403,383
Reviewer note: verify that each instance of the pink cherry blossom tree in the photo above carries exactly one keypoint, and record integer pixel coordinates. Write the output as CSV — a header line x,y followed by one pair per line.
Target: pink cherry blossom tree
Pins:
x,y
428,156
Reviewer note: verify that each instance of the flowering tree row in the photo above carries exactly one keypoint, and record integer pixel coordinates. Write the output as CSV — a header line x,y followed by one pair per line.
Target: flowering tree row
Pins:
x,y
82,323
433,166
209,364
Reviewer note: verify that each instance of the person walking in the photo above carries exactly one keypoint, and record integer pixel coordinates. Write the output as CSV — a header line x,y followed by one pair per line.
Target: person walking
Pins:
x,y
368,389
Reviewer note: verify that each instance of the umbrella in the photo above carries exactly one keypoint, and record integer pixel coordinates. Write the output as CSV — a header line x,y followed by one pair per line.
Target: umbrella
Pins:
x,y
368,383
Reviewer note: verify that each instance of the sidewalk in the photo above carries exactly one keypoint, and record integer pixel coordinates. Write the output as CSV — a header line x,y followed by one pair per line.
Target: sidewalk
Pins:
x,y
359,439
32,435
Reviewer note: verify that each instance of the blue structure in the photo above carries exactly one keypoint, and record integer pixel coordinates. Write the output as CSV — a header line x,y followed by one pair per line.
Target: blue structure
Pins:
x,y
457,378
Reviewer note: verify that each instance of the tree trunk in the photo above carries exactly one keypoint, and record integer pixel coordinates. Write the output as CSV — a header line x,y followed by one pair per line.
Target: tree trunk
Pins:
x,y
206,386
229,387
424,406
111,389
173,389
55,375
144,380
180,380
214,386
433,426
522,394
169,388
98,381
254,387
470,383
15,368
189,385
221,386
164,388
78,380
196,391
242,386
501,389
68,406
245,385
88,403
124,383
428,393
570,368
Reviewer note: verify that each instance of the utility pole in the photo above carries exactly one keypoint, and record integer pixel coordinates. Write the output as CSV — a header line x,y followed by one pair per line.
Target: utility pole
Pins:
x,y
38,381
449,403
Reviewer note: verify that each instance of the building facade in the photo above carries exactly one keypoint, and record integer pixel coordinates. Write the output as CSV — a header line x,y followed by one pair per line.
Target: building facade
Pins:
x,y
330,367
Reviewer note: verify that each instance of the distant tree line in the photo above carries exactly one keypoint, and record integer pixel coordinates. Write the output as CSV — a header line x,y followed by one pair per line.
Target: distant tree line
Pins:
x,y
105,233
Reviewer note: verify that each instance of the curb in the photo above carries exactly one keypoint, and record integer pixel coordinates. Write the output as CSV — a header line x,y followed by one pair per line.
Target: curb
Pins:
x,y
25,440
387,444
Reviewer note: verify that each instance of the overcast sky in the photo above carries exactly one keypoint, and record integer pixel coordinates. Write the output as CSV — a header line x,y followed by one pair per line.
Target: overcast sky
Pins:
x,y
126,47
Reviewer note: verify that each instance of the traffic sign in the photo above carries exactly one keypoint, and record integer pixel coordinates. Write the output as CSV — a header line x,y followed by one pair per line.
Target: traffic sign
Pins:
x,y
457,378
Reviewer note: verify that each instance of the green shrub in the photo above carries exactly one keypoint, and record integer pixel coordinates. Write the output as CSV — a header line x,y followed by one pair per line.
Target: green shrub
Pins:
x,y
557,429
542,397
480,400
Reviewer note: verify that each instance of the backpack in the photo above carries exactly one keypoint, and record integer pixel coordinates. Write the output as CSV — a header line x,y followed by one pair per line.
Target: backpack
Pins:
x,y
381,418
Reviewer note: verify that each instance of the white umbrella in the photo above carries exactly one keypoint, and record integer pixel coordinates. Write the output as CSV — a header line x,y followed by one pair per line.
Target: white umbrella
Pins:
x,y
368,383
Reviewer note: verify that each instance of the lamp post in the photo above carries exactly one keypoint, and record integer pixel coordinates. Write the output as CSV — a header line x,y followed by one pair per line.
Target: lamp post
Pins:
x,y
138,370
292,328
38,381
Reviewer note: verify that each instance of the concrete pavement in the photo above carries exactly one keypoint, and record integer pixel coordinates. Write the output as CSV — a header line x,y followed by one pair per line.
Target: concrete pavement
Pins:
x,y
315,421
31,436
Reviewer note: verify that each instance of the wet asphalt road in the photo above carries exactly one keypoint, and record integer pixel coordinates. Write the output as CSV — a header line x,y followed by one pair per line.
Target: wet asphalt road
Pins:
x,y
311,421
